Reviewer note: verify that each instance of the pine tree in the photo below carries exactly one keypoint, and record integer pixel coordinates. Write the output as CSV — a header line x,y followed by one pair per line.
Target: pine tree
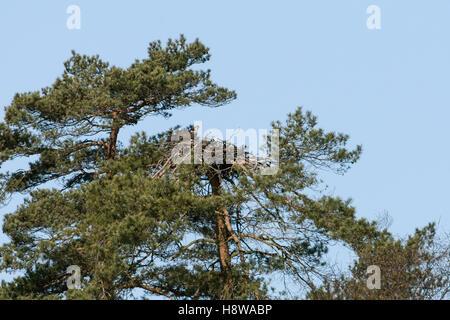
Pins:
x,y
134,218
74,125
415,268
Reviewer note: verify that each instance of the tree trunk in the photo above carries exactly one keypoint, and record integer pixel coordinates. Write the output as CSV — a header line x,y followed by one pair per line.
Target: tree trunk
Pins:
x,y
112,143
222,242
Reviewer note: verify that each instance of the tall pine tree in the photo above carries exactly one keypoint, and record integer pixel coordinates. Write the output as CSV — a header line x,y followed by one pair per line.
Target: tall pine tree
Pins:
x,y
133,218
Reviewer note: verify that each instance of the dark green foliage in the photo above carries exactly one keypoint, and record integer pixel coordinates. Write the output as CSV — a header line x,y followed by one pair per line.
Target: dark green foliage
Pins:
x,y
131,218
74,125
416,268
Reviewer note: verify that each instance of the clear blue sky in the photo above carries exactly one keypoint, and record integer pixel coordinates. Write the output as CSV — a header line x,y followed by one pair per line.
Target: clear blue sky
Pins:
x,y
389,89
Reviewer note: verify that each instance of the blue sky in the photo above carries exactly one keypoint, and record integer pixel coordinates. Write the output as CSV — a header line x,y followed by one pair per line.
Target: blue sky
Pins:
x,y
389,89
